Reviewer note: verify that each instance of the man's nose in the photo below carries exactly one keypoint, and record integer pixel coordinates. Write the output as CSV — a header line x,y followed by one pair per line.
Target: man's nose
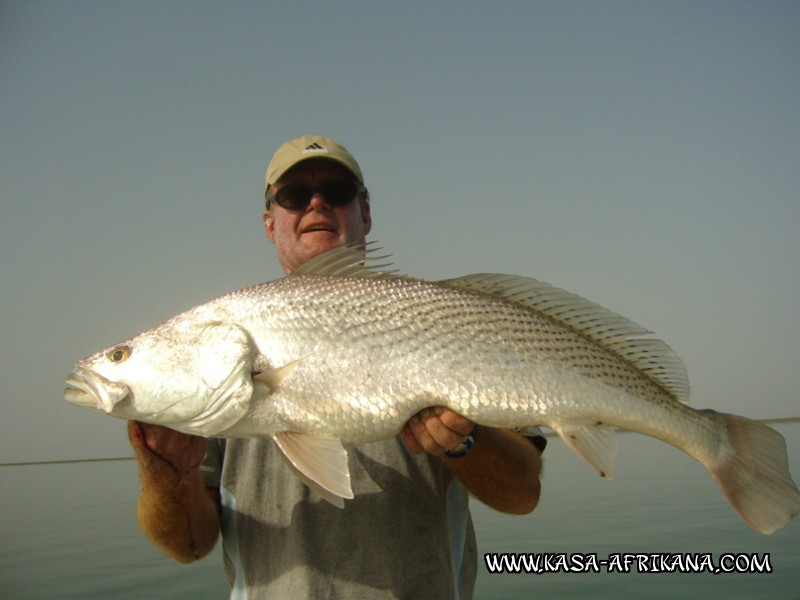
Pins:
x,y
318,201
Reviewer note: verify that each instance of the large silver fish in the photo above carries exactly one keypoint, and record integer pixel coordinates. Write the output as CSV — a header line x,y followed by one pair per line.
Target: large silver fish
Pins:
x,y
343,353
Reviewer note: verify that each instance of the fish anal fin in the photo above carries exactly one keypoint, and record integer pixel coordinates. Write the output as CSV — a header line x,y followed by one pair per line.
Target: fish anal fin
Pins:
x,y
321,463
595,443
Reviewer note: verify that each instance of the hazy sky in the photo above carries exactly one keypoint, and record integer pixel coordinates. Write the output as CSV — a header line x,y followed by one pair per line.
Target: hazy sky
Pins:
x,y
644,155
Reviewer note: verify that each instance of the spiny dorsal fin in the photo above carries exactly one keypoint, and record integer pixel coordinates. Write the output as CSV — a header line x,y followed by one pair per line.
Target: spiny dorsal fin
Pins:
x,y
612,331
351,260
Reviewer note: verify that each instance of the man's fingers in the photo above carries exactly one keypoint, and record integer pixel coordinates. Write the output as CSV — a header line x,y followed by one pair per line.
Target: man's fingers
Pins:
x,y
454,421
410,441
434,430
419,430
183,451
444,437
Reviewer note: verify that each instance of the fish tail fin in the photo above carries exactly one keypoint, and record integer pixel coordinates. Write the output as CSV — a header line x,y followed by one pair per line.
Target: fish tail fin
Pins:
x,y
754,474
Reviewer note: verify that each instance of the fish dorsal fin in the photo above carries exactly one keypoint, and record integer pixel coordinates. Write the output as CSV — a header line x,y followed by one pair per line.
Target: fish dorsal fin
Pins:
x,y
610,330
351,260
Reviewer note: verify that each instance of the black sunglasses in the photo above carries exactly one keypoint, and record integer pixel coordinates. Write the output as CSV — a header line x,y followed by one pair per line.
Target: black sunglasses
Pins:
x,y
297,196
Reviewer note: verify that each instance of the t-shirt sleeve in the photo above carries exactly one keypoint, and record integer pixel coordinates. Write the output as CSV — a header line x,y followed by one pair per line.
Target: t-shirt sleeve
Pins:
x,y
536,437
211,468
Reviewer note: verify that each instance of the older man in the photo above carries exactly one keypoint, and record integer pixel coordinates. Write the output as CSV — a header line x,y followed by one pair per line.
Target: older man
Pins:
x,y
407,533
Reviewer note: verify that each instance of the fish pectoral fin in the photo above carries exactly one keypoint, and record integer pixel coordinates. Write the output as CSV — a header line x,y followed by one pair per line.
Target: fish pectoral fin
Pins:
x,y
596,444
275,377
320,462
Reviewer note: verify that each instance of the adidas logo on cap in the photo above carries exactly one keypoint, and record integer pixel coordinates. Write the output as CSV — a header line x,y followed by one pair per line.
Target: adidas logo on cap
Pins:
x,y
314,148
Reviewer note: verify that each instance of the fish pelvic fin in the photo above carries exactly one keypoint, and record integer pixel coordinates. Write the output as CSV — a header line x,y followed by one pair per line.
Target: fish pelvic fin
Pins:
x,y
755,476
596,444
321,463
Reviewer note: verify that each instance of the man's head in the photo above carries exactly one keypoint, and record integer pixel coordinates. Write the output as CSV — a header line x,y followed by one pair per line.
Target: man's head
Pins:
x,y
315,200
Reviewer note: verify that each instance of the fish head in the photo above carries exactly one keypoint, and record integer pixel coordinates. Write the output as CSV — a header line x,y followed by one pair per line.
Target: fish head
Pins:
x,y
194,377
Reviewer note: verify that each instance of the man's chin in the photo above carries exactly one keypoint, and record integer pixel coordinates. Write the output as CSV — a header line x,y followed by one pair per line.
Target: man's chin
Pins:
x,y
321,240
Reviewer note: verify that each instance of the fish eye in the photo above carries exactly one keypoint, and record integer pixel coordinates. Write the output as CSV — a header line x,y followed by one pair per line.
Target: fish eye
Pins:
x,y
119,354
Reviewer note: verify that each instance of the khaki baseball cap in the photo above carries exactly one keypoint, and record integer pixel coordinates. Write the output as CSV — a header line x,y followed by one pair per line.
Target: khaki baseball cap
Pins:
x,y
305,147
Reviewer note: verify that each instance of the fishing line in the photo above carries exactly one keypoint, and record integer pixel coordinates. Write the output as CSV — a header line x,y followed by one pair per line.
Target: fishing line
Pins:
x,y
121,458
63,462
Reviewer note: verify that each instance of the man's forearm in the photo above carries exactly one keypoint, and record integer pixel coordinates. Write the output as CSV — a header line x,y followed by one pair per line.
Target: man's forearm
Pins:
x,y
502,470
177,512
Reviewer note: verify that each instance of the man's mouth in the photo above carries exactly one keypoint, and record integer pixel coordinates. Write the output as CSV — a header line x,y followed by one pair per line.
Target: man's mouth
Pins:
x,y
320,227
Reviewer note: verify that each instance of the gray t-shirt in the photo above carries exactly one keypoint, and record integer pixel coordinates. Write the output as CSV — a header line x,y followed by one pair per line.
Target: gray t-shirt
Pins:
x,y
406,534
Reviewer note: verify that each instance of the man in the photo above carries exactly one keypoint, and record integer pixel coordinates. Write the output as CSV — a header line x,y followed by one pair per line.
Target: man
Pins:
x,y
407,533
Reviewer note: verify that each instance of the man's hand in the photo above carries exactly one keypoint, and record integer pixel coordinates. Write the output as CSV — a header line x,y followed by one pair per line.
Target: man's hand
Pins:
x,y
434,430
501,470
154,444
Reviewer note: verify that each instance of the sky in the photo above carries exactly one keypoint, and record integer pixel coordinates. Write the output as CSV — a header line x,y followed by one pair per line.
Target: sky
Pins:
x,y
645,155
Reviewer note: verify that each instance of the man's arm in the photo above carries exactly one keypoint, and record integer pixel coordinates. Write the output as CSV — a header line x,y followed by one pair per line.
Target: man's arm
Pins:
x,y
176,511
501,470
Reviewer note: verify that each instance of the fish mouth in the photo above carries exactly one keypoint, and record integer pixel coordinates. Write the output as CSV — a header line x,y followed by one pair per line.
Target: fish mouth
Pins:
x,y
87,388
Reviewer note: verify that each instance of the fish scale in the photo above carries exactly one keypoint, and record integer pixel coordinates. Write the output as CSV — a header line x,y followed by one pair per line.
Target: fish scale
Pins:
x,y
436,360
344,353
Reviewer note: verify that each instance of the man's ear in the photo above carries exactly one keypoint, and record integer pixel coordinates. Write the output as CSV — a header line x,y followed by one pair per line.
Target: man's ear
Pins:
x,y
366,217
269,225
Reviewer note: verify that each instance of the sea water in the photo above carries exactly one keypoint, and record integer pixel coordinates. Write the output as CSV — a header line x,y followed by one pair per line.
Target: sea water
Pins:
x,y
69,532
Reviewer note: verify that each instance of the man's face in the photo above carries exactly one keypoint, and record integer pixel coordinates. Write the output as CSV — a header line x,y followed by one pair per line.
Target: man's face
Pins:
x,y
300,235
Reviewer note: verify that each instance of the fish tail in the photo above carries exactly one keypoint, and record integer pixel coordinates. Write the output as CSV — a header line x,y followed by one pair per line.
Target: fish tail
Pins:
x,y
754,474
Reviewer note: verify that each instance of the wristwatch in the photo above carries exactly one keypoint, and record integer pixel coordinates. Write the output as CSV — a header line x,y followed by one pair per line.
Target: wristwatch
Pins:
x,y
467,442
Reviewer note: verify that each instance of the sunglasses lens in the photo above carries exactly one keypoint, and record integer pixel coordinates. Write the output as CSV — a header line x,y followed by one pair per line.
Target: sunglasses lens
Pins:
x,y
297,196
294,196
339,193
